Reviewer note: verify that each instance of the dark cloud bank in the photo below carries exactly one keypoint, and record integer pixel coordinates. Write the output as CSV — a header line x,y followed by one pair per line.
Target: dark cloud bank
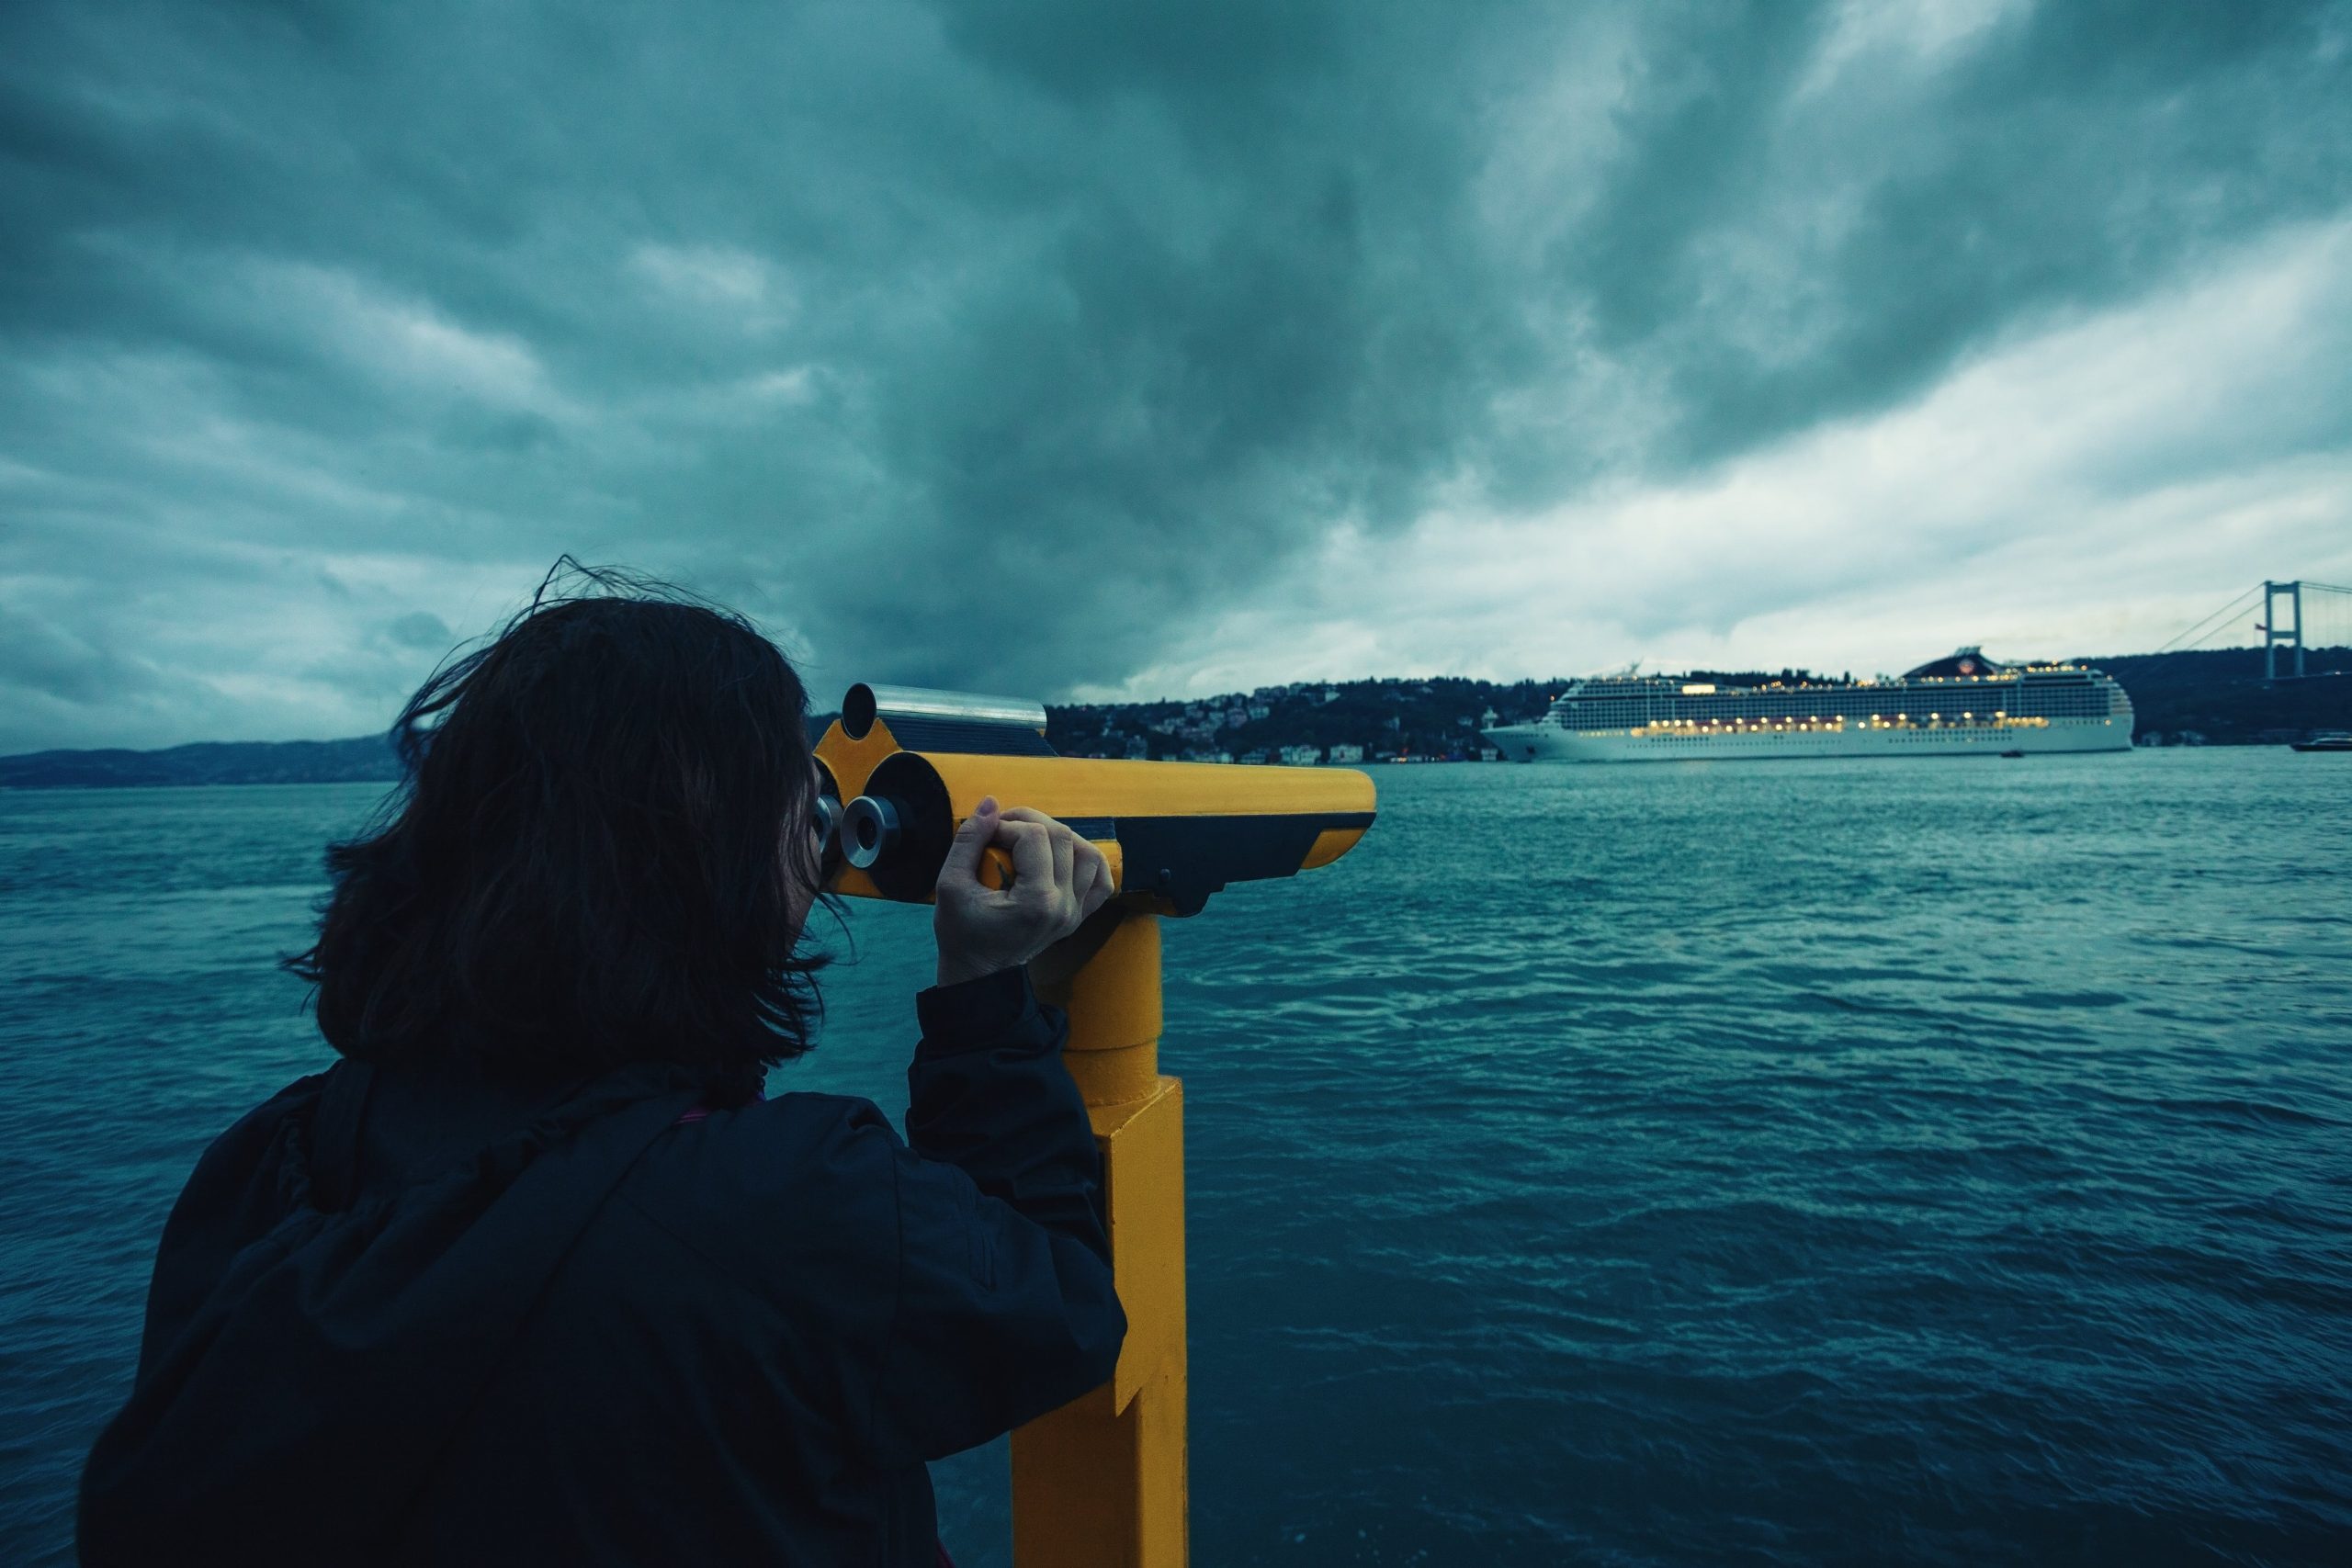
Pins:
x,y
984,344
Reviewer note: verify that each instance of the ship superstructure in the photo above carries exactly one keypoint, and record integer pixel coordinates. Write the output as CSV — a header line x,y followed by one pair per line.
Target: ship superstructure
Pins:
x,y
1961,704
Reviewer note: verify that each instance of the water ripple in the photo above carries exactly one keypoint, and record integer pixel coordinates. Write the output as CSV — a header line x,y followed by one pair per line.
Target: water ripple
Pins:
x,y
1923,1163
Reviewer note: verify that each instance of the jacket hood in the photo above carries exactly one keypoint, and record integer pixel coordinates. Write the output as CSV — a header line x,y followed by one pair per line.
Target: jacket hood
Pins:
x,y
314,1341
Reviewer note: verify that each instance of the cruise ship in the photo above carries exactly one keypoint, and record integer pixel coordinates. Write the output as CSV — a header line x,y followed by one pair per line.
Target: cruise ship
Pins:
x,y
1964,705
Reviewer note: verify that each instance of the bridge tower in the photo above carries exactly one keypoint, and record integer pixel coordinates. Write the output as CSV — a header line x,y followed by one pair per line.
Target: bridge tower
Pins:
x,y
2273,634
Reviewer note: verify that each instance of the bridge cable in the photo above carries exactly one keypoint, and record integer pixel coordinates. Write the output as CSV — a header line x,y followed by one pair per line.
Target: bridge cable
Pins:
x,y
2243,598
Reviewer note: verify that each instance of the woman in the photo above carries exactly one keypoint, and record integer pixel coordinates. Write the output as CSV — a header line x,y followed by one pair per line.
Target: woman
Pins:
x,y
534,1273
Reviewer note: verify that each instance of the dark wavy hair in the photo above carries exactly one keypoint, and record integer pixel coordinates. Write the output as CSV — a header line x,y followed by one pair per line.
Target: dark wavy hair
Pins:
x,y
596,856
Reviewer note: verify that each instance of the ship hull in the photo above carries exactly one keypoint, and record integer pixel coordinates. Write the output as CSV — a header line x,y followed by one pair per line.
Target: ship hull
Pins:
x,y
1550,743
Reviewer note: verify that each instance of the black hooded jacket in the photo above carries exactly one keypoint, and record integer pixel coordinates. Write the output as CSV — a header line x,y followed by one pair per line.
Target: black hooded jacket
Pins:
x,y
407,1322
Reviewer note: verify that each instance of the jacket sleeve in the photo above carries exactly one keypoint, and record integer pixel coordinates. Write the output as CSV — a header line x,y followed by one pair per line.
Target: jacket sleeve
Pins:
x,y
1004,1304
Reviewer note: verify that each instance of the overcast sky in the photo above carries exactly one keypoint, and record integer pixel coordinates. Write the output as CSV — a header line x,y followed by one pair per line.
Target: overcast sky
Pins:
x,y
1066,349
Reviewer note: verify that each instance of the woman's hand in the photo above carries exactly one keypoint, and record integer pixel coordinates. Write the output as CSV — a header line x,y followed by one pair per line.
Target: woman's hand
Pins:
x,y
1058,879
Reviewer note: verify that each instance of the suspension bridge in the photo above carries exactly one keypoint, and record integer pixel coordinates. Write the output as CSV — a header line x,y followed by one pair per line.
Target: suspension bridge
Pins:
x,y
2289,618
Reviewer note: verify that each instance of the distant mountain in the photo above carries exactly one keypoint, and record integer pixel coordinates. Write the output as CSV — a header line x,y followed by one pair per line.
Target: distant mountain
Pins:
x,y
2215,698
362,759
365,757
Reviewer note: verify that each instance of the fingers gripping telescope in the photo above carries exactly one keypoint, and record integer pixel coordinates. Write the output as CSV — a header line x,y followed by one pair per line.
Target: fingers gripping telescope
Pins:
x,y
904,767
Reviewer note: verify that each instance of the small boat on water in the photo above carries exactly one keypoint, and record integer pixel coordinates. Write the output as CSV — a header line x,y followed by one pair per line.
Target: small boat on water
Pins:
x,y
2325,741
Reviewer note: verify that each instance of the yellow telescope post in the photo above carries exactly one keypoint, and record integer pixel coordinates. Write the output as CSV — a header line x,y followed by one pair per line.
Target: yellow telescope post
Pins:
x,y
1102,1482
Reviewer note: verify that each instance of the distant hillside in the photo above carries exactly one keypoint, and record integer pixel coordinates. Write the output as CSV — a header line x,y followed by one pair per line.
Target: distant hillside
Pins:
x,y
1436,717
365,757
2180,698
2218,698
2214,698
362,759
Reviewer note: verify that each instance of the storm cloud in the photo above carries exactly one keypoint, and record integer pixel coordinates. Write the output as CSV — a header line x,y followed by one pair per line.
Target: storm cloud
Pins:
x,y
1051,347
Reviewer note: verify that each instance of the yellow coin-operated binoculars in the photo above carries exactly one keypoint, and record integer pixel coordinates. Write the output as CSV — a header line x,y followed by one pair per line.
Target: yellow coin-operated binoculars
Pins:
x,y
1099,1482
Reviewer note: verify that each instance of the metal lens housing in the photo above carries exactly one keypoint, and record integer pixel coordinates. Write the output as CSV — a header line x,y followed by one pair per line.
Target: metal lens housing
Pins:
x,y
828,823
870,830
863,702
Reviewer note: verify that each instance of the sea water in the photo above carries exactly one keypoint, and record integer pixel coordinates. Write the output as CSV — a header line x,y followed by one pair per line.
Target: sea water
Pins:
x,y
1935,1161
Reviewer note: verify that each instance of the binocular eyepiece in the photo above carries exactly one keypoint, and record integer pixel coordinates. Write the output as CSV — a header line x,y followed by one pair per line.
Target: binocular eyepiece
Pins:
x,y
870,830
860,833
904,767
